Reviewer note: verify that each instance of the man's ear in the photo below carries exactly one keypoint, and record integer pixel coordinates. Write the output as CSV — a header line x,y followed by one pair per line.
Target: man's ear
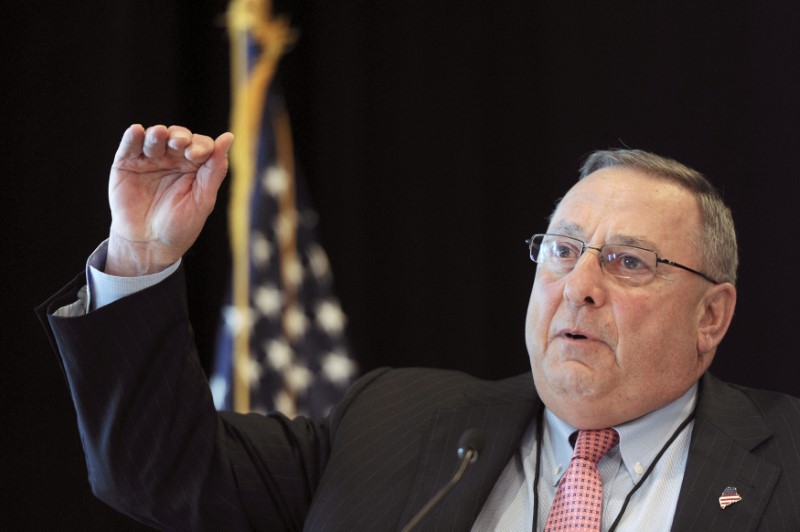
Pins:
x,y
716,312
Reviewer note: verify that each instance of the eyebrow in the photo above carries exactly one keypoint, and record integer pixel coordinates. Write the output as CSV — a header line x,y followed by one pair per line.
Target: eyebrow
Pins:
x,y
569,229
577,231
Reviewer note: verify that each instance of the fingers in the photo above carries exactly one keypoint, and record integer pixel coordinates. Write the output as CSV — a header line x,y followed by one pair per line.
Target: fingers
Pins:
x,y
200,149
131,144
136,141
183,143
175,142
178,139
155,142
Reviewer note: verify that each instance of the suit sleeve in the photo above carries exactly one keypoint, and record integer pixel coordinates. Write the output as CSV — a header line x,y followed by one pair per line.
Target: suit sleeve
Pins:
x,y
156,449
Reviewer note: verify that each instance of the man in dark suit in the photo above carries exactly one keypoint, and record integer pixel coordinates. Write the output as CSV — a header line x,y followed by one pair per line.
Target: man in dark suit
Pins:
x,y
634,290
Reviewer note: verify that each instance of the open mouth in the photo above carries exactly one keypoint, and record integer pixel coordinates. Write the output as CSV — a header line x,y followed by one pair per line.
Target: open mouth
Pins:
x,y
575,336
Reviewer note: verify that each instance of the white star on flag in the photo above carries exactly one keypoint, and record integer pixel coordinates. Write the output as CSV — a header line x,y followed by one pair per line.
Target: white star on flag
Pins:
x,y
276,181
261,249
268,301
279,354
318,261
330,317
338,367
298,378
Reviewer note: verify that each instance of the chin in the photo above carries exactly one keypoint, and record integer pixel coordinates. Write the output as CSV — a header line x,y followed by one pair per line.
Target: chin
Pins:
x,y
575,381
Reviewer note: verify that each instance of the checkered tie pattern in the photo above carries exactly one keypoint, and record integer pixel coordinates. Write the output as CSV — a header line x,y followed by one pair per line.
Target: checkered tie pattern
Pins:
x,y
579,500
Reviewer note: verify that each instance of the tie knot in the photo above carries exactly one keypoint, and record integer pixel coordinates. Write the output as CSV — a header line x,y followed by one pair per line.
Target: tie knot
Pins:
x,y
592,445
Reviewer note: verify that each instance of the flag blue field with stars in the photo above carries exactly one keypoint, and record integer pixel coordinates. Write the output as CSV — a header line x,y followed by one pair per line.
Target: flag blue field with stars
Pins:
x,y
282,343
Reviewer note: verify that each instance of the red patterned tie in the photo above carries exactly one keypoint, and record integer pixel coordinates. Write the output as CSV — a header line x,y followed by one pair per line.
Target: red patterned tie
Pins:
x,y
579,501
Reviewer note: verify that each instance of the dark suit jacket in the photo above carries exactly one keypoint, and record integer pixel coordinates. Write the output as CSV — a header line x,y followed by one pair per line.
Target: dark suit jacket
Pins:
x,y
157,451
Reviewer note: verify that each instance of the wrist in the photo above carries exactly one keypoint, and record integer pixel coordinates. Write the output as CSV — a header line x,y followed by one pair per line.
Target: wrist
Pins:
x,y
126,258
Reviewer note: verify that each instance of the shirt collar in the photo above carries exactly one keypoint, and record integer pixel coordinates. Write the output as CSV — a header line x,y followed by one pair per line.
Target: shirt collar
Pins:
x,y
640,440
556,438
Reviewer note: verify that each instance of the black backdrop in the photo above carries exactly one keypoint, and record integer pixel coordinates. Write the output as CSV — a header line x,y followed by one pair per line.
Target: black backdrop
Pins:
x,y
434,137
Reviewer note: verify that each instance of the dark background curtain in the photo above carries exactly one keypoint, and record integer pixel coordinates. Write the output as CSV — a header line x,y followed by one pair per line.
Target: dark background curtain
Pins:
x,y
434,136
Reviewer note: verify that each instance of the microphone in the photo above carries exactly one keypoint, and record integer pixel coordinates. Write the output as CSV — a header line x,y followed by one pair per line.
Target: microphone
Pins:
x,y
469,446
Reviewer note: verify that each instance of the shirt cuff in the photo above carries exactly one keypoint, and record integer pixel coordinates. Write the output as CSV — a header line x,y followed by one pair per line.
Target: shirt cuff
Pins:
x,y
104,289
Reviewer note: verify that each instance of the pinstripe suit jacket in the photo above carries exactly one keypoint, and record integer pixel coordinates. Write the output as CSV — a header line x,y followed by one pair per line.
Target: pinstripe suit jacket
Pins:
x,y
157,451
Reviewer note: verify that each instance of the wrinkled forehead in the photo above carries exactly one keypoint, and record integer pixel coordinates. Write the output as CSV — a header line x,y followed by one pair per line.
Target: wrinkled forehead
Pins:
x,y
575,230
625,206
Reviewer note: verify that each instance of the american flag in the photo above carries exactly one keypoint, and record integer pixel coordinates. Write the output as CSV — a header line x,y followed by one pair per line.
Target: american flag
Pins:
x,y
729,496
281,344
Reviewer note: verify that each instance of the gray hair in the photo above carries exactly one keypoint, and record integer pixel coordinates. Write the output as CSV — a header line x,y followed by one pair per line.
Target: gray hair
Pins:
x,y
717,246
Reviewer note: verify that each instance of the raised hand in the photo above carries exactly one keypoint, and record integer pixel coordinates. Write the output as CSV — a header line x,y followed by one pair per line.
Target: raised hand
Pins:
x,y
163,186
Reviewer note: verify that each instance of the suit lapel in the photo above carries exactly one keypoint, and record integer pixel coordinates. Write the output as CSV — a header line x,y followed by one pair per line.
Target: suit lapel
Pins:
x,y
726,429
501,411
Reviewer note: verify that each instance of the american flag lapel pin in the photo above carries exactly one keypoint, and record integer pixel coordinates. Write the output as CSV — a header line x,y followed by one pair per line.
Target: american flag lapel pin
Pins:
x,y
728,497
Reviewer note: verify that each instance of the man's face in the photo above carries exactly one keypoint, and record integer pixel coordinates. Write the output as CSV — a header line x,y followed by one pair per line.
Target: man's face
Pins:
x,y
603,352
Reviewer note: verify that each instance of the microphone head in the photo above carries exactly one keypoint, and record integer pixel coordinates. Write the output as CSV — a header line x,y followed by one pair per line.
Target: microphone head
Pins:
x,y
471,440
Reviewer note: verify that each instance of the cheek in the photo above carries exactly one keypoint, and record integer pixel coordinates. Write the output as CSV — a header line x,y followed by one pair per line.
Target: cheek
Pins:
x,y
531,322
541,307
652,339
636,332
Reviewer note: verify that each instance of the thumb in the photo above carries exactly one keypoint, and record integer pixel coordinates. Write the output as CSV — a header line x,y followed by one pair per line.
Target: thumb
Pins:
x,y
211,174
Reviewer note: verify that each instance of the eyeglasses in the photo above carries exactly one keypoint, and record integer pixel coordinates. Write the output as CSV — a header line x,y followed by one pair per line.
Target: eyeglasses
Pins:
x,y
632,264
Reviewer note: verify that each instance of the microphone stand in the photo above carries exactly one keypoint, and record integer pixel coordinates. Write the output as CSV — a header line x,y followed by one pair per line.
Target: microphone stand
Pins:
x,y
468,456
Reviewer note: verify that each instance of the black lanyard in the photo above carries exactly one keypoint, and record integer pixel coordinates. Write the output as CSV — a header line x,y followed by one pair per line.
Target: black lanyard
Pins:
x,y
540,438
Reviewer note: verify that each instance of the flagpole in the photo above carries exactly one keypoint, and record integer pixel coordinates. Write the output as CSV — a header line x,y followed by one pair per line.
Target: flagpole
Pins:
x,y
247,19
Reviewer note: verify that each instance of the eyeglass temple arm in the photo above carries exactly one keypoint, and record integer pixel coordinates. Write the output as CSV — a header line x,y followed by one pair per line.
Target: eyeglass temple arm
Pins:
x,y
688,269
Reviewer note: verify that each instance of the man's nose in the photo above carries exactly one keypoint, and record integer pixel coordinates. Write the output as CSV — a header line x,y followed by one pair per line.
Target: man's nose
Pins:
x,y
585,284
